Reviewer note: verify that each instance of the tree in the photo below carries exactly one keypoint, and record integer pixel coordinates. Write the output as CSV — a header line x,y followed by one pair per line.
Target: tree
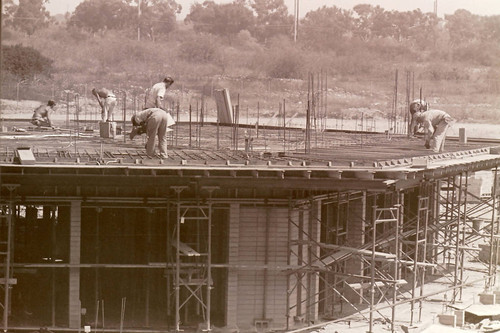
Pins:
x,y
224,20
326,28
100,15
367,16
28,16
158,17
272,18
490,28
24,62
463,27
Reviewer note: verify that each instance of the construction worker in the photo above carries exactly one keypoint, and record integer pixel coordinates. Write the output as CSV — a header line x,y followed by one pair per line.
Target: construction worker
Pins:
x,y
41,115
435,123
418,105
107,102
154,122
156,95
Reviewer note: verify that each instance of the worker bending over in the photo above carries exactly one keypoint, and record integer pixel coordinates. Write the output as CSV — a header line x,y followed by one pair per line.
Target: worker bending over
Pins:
x,y
107,102
156,95
435,124
41,115
418,105
154,122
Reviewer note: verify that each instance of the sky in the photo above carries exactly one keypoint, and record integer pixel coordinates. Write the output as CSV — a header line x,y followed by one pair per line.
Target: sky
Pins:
x,y
478,7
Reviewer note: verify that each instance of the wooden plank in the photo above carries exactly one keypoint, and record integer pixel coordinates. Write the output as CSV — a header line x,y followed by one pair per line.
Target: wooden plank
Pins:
x,y
366,285
186,250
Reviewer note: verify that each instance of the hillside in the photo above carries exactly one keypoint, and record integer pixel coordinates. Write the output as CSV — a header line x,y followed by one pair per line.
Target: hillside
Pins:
x,y
343,75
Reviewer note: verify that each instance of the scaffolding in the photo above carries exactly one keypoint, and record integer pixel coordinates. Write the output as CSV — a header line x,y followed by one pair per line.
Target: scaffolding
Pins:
x,y
425,229
192,240
6,240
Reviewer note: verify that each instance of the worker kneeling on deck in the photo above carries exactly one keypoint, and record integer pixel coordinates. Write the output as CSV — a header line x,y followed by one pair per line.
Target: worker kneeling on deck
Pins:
x,y
153,122
41,115
435,124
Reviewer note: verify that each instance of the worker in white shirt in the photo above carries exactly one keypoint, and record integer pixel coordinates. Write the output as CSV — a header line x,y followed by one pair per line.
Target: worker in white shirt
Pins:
x,y
107,102
435,124
156,95
154,122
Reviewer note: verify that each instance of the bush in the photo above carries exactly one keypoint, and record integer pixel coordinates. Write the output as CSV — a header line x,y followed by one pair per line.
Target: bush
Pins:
x,y
199,48
284,60
25,62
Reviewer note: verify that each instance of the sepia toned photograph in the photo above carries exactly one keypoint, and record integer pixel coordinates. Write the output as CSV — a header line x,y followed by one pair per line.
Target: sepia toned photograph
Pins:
x,y
250,166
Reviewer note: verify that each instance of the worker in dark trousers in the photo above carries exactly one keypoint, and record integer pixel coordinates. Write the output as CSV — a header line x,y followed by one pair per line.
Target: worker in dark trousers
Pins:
x,y
154,122
435,124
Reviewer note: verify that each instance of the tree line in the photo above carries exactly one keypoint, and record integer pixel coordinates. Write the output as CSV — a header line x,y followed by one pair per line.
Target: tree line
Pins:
x,y
267,27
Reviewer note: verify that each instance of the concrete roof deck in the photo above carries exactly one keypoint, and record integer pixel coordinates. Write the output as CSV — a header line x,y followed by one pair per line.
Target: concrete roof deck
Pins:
x,y
333,148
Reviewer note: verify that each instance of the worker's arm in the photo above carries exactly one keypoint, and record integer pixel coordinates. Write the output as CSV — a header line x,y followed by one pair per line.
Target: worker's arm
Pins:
x,y
413,126
159,102
48,116
96,94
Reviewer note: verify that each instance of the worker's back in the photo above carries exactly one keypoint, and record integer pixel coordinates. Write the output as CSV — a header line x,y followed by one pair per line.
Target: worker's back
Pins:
x,y
40,111
434,117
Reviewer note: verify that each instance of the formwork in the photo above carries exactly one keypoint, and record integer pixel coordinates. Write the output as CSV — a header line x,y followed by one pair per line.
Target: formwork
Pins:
x,y
277,237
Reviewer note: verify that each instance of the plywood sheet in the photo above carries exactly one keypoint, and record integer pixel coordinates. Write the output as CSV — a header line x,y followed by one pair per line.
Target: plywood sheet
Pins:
x,y
224,107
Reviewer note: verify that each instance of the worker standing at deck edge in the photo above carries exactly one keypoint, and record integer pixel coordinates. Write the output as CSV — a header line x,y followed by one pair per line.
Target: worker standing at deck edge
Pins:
x,y
435,124
156,95
154,122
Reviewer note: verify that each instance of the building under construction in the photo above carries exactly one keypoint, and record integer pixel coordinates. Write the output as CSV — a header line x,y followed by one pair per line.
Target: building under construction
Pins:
x,y
288,231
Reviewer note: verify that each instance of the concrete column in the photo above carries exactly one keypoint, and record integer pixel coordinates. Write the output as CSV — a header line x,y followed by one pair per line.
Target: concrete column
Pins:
x,y
74,259
355,238
232,275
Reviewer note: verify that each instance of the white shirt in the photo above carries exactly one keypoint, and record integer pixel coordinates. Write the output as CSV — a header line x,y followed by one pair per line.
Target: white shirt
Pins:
x,y
158,90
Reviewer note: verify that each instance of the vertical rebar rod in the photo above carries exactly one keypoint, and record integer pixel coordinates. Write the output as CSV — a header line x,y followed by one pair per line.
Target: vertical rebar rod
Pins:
x,y
124,115
284,126
190,119
177,127
67,109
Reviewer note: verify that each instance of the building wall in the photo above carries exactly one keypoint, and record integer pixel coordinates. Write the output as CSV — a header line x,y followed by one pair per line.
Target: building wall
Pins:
x,y
261,236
